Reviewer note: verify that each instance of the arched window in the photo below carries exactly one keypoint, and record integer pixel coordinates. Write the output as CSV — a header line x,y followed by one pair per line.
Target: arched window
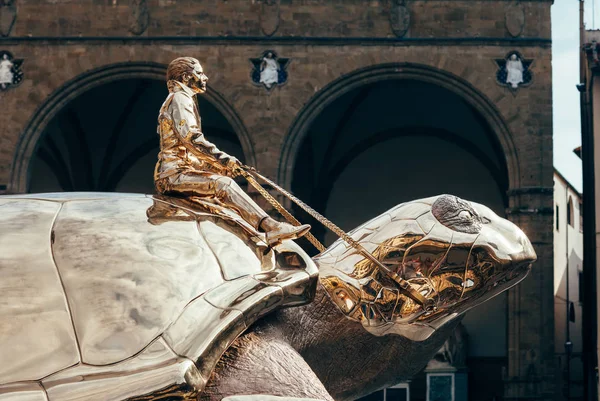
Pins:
x,y
570,217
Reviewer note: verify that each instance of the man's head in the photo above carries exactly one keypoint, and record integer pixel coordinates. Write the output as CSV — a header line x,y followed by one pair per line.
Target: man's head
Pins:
x,y
188,71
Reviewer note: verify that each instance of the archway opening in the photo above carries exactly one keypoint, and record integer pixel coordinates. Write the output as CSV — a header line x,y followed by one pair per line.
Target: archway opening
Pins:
x,y
393,141
396,140
105,139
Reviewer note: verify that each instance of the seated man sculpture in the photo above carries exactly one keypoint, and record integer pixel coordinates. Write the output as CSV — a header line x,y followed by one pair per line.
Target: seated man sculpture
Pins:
x,y
191,166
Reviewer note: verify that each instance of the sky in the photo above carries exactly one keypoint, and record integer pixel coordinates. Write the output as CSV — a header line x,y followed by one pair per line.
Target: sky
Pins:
x,y
565,75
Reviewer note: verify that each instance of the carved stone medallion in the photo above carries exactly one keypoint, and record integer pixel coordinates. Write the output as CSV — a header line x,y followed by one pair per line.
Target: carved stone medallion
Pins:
x,y
514,19
269,16
269,70
139,18
399,18
514,71
10,71
8,15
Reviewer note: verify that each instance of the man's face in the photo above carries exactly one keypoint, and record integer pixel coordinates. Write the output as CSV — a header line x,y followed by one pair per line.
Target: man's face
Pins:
x,y
198,79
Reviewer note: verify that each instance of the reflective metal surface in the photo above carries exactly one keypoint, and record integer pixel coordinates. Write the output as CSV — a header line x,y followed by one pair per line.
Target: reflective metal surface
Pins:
x,y
180,127
29,391
36,332
126,279
191,167
156,370
455,253
204,332
235,256
154,299
140,306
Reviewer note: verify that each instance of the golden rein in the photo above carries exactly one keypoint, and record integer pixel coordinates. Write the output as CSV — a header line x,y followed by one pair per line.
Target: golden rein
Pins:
x,y
249,172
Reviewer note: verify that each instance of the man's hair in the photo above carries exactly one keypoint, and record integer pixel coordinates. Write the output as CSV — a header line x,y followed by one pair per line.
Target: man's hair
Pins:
x,y
180,66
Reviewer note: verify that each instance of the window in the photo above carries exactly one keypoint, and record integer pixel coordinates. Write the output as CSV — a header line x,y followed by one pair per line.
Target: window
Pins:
x,y
556,218
580,217
570,212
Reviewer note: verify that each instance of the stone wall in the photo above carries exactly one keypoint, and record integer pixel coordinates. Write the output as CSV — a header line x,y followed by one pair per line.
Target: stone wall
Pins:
x,y
314,18
268,116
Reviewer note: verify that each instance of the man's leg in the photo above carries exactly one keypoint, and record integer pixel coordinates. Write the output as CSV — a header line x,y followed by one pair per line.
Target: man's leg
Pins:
x,y
229,193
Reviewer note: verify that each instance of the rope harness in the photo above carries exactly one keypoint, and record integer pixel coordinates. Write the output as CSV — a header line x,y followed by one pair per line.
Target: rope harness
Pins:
x,y
249,174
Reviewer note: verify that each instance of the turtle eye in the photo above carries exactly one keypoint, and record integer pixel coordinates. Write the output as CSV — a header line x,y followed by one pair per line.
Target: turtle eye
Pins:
x,y
456,214
465,214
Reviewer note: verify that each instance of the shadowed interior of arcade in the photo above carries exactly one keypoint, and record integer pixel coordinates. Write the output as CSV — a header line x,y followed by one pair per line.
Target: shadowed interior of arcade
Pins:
x,y
106,140
397,140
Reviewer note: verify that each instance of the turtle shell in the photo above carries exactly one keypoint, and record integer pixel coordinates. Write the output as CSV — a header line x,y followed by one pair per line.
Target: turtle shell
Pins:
x,y
92,286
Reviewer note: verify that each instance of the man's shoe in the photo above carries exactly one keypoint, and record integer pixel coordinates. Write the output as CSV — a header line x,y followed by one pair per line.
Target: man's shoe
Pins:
x,y
277,232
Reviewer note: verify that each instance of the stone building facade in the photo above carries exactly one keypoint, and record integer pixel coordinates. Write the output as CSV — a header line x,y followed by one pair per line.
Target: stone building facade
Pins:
x,y
568,287
376,102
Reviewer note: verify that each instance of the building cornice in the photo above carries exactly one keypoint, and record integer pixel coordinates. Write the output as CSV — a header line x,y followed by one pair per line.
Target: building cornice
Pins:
x,y
283,40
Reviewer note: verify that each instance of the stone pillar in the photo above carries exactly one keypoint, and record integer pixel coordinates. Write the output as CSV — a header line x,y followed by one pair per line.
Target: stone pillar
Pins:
x,y
595,242
530,370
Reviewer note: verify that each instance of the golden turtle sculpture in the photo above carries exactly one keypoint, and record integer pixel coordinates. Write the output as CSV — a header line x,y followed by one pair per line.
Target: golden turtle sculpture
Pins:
x,y
103,300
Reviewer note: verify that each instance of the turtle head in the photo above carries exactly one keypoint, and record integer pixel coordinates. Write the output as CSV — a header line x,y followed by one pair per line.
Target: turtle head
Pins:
x,y
439,257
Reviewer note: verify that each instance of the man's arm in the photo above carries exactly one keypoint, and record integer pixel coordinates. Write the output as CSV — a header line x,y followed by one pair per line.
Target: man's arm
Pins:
x,y
186,125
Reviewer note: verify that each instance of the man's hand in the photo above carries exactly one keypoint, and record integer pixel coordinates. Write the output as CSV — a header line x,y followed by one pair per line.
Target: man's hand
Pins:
x,y
232,163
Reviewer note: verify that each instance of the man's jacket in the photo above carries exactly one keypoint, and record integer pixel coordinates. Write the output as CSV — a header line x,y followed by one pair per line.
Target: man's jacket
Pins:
x,y
183,147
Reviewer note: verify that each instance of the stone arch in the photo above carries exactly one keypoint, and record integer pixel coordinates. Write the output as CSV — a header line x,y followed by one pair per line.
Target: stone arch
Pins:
x,y
29,139
392,133
395,71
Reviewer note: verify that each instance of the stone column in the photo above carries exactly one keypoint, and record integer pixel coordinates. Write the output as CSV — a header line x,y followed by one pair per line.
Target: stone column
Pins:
x,y
530,370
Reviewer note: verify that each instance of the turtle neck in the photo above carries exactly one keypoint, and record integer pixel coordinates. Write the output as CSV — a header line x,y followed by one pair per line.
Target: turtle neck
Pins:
x,y
348,360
